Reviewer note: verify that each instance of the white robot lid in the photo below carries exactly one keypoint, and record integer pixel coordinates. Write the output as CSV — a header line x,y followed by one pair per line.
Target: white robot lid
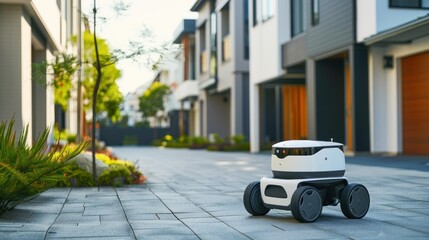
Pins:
x,y
305,144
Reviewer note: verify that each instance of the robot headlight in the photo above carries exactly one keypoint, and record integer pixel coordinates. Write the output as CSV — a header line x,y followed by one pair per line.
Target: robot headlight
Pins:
x,y
306,151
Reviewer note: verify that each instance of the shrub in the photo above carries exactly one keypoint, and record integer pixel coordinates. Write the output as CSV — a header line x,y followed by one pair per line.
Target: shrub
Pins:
x,y
74,176
198,142
238,139
64,135
236,143
26,171
115,175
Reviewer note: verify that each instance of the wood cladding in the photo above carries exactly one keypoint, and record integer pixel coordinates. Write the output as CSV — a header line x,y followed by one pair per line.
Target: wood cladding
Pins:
x,y
415,104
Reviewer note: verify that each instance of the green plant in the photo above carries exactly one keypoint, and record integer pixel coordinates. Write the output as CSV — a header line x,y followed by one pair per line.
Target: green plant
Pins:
x,y
238,139
197,142
152,100
74,176
28,170
64,135
115,175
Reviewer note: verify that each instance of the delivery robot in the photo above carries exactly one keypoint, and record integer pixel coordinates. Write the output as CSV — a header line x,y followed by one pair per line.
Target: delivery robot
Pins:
x,y
307,176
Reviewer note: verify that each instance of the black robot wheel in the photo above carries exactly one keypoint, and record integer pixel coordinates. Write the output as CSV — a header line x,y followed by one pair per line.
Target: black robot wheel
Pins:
x,y
355,201
306,204
252,200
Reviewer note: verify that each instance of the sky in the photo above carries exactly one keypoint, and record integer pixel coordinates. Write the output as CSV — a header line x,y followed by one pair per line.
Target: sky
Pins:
x,y
161,17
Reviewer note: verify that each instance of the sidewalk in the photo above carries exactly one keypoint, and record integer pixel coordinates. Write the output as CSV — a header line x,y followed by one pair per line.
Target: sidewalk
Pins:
x,y
195,194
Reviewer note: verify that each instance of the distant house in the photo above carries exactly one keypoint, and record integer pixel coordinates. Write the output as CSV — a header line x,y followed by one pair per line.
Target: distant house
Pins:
x,y
32,31
130,108
187,90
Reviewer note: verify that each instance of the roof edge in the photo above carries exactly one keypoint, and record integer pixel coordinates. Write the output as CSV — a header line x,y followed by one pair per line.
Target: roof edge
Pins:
x,y
396,30
197,5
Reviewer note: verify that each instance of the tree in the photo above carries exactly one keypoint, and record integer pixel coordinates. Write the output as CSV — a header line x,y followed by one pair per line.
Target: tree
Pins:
x,y
152,100
108,97
101,71
61,69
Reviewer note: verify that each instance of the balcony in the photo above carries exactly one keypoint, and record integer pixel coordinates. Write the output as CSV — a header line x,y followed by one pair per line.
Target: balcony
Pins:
x,y
226,48
187,90
204,61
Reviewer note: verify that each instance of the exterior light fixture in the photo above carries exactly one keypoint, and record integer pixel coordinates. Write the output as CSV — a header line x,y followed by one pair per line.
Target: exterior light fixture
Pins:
x,y
388,61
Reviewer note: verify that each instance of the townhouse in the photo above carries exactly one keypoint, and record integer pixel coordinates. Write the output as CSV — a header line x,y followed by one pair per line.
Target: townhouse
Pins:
x,y
186,87
222,66
32,31
351,71
312,75
398,49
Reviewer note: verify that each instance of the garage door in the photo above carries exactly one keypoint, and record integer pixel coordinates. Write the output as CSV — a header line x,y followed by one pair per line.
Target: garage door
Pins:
x,y
415,104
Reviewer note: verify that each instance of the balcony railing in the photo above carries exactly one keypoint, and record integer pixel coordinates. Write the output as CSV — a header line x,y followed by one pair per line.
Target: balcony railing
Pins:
x,y
204,61
226,48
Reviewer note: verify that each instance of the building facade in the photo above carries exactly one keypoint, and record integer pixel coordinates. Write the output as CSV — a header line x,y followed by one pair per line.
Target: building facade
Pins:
x,y
222,67
341,70
325,85
32,31
398,50
186,89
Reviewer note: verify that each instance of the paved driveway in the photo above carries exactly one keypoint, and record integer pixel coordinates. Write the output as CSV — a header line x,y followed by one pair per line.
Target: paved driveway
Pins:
x,y
195,194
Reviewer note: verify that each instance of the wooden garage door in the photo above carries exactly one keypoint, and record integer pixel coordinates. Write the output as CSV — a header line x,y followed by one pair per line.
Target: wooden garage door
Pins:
x,y
415,104
294,112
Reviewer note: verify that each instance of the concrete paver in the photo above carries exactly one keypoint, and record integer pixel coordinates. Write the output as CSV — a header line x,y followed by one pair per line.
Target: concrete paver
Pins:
x,y
195,194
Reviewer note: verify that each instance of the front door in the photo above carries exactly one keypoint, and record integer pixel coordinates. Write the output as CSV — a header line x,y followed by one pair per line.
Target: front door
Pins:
x,y
294,112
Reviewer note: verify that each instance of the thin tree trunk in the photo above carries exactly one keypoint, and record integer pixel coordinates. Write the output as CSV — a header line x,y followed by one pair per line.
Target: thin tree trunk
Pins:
x,y
94,96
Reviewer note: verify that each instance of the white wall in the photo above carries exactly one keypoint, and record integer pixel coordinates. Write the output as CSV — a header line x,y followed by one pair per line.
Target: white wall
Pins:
x,y
265,43
392,17
26,90
266,39
374,16
365,19
51,17
385,95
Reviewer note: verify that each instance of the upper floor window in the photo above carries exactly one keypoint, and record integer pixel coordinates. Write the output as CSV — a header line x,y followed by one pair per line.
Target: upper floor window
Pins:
x,y
213,44
226,39
315,15
203,51
202,32
246,29
262,10
297,15
409,4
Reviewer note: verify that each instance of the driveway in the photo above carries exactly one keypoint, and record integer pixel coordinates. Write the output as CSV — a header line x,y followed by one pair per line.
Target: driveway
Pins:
x,y
196,194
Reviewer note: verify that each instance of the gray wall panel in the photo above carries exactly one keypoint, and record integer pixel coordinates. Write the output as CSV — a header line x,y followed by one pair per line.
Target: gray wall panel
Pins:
x,y
335,29
294,52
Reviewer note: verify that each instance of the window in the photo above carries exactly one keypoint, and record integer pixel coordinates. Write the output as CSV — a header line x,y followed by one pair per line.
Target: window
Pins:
x,y
203,51
409,4
315,15
262,10
255,12
267,9
246,29
202,32
213,44
225,20
297,17
226,39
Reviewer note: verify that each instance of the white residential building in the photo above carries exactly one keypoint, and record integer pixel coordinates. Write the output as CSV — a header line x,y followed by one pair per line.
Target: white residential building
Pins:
x,y
398,75
32,32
